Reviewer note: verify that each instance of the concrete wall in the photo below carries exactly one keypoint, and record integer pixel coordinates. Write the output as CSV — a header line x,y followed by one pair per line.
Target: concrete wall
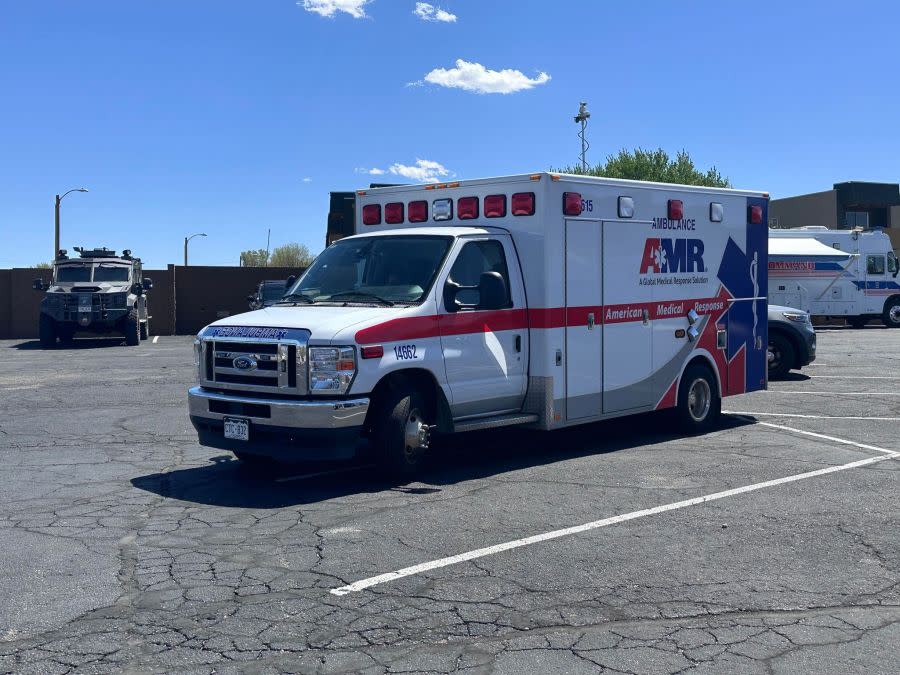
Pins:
x,y
183,299
819,208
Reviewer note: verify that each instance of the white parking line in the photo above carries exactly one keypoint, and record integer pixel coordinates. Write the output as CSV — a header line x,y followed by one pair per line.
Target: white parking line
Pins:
x,y
833,393
811,417
855,377
304,476
155,339
362,584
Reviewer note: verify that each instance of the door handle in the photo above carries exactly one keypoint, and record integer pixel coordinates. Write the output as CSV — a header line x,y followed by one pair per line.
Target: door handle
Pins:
x,y
590,321
518,343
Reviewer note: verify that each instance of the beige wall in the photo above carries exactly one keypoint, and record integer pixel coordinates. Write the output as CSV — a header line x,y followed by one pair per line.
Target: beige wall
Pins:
x,y
819,208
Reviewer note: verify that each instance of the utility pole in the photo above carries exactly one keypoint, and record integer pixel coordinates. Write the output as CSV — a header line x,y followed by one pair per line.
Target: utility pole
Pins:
x,y
268,241
56,220
582,118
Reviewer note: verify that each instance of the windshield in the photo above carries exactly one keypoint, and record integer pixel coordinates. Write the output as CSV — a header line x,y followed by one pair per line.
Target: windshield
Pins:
x,y
110,272
387,269
70,273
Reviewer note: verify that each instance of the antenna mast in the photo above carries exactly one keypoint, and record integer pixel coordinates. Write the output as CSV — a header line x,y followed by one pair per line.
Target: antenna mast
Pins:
x,y
582,118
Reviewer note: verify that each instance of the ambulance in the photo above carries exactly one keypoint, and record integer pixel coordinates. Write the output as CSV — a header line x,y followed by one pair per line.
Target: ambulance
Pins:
x,y
538,300
850,274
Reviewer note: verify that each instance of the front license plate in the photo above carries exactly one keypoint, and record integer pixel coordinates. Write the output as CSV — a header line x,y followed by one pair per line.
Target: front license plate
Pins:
x,y
236,429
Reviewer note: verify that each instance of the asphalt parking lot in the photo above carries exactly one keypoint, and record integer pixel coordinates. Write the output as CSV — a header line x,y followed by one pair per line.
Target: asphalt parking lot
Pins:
x,y
126,546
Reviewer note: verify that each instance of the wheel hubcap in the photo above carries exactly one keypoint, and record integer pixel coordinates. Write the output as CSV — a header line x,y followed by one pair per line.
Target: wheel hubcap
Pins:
x,y
699,399
894,314
774,356
417,434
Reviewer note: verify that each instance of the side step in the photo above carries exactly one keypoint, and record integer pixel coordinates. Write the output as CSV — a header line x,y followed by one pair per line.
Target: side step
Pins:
x,y
493,422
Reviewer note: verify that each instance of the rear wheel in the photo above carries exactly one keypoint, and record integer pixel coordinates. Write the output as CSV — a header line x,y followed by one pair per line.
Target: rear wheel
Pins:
x,y
891,317
857,321
699,400
781,356
403,434
47,332
145,329
132,329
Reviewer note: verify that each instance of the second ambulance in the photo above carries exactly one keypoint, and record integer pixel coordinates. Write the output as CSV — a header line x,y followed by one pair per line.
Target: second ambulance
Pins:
x,y
538,300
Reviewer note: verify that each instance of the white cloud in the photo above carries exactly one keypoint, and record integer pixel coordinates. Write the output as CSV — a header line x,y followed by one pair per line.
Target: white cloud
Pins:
x,y
475,77
423,171
428,12
307,179
328,8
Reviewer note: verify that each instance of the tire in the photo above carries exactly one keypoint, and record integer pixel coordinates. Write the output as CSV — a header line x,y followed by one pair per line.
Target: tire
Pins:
x,y
66,335
132,329
256,463
699,400
402,434
47,332
857,321
145,329
891,317
781,355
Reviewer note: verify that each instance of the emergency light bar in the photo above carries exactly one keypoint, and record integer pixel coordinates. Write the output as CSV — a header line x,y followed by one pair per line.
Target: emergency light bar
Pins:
x,y
467,208
418,212
393,213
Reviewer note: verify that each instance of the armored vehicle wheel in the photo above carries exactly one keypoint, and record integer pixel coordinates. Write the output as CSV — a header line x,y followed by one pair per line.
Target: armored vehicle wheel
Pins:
x,y
402,435
132,329
66,335
891,316
145,329
47,332
699,400
857,321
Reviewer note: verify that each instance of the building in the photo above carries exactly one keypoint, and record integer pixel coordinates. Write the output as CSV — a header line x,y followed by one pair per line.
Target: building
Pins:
x,y
845,206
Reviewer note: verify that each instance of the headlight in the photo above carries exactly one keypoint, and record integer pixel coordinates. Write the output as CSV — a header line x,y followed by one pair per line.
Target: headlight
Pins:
x,y
331,369
198,351
799,317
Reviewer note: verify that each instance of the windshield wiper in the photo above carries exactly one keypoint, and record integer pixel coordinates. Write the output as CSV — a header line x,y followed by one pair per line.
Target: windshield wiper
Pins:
x,y
293,296
361,294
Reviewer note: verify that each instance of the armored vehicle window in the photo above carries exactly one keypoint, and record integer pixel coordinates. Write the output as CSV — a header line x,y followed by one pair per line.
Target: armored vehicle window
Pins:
x,y
70,273
110,272
875,264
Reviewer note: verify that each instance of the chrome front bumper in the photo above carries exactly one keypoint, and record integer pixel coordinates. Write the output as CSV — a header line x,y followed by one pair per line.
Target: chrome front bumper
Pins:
x,y
306,414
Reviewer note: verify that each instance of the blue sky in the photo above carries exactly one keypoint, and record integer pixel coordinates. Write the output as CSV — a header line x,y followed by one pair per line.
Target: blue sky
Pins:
x,y
234,116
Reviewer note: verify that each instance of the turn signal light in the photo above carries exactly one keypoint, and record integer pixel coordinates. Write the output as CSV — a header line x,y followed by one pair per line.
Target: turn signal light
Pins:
x,y
572,203
523,204
372,214
372,352
676,209
467,208
393,213
418,212
495,206
755,215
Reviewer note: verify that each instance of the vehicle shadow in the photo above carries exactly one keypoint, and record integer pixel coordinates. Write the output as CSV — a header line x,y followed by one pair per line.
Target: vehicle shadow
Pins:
x,y
792,377
76,343
229,483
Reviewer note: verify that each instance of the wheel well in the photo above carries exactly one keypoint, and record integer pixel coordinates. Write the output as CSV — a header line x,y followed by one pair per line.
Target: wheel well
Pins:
x,y
890,301
420,380
793,339
705,362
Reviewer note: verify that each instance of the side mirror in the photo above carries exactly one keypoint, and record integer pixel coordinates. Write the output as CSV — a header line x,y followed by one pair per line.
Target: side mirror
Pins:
x,y
251,298
137,289
38,284
147,283
493,291
451,288
291,280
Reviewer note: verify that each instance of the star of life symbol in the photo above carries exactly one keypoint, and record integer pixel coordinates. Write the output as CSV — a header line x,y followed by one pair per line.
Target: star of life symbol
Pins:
x,y
659,257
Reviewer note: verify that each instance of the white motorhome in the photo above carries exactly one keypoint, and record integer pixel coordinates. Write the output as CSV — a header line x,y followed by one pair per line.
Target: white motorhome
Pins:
x,y
541,300
835,273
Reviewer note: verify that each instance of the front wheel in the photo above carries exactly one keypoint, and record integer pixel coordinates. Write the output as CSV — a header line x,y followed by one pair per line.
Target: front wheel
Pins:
x,y
699,400
47,332
891,316
132,329
402,436
781,356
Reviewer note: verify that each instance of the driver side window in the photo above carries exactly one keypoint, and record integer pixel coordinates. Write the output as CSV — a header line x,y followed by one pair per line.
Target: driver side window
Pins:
x,y
476,258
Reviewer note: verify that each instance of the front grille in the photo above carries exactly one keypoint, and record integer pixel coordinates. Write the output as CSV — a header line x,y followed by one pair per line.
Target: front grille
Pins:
x,y
256,366
70,303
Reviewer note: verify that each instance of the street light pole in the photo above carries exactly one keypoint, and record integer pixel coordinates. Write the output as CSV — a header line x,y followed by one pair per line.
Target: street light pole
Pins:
x,y
56,220
186,240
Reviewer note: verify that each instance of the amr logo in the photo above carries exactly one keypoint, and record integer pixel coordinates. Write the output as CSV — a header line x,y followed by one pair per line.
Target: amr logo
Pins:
x,y
668,256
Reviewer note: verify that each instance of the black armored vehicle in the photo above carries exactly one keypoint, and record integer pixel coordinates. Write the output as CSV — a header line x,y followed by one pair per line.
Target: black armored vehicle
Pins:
x,y
99,292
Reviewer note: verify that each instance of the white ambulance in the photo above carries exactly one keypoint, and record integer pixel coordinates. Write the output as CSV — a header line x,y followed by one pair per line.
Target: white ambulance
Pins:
x,y
850,274
539,300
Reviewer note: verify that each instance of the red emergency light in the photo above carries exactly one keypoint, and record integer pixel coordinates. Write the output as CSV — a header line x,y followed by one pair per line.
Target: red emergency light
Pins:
x,y
467,208
372,214
523,204
755,215
418,212
495,206
393,213
372,352
572,203
676,209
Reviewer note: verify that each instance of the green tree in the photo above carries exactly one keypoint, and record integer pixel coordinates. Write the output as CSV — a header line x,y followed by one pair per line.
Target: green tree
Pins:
x,y
656,166
291,255
42,266
257,258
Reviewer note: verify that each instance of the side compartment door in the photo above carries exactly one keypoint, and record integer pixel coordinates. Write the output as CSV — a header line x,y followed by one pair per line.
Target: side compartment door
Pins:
x,y
584,332
485,348
631,262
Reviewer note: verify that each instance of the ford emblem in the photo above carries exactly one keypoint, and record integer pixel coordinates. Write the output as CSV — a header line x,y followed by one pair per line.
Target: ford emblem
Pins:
x,y
244,363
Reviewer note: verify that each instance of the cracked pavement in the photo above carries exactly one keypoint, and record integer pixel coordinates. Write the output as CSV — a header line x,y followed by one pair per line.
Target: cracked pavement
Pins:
x,y
126,547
